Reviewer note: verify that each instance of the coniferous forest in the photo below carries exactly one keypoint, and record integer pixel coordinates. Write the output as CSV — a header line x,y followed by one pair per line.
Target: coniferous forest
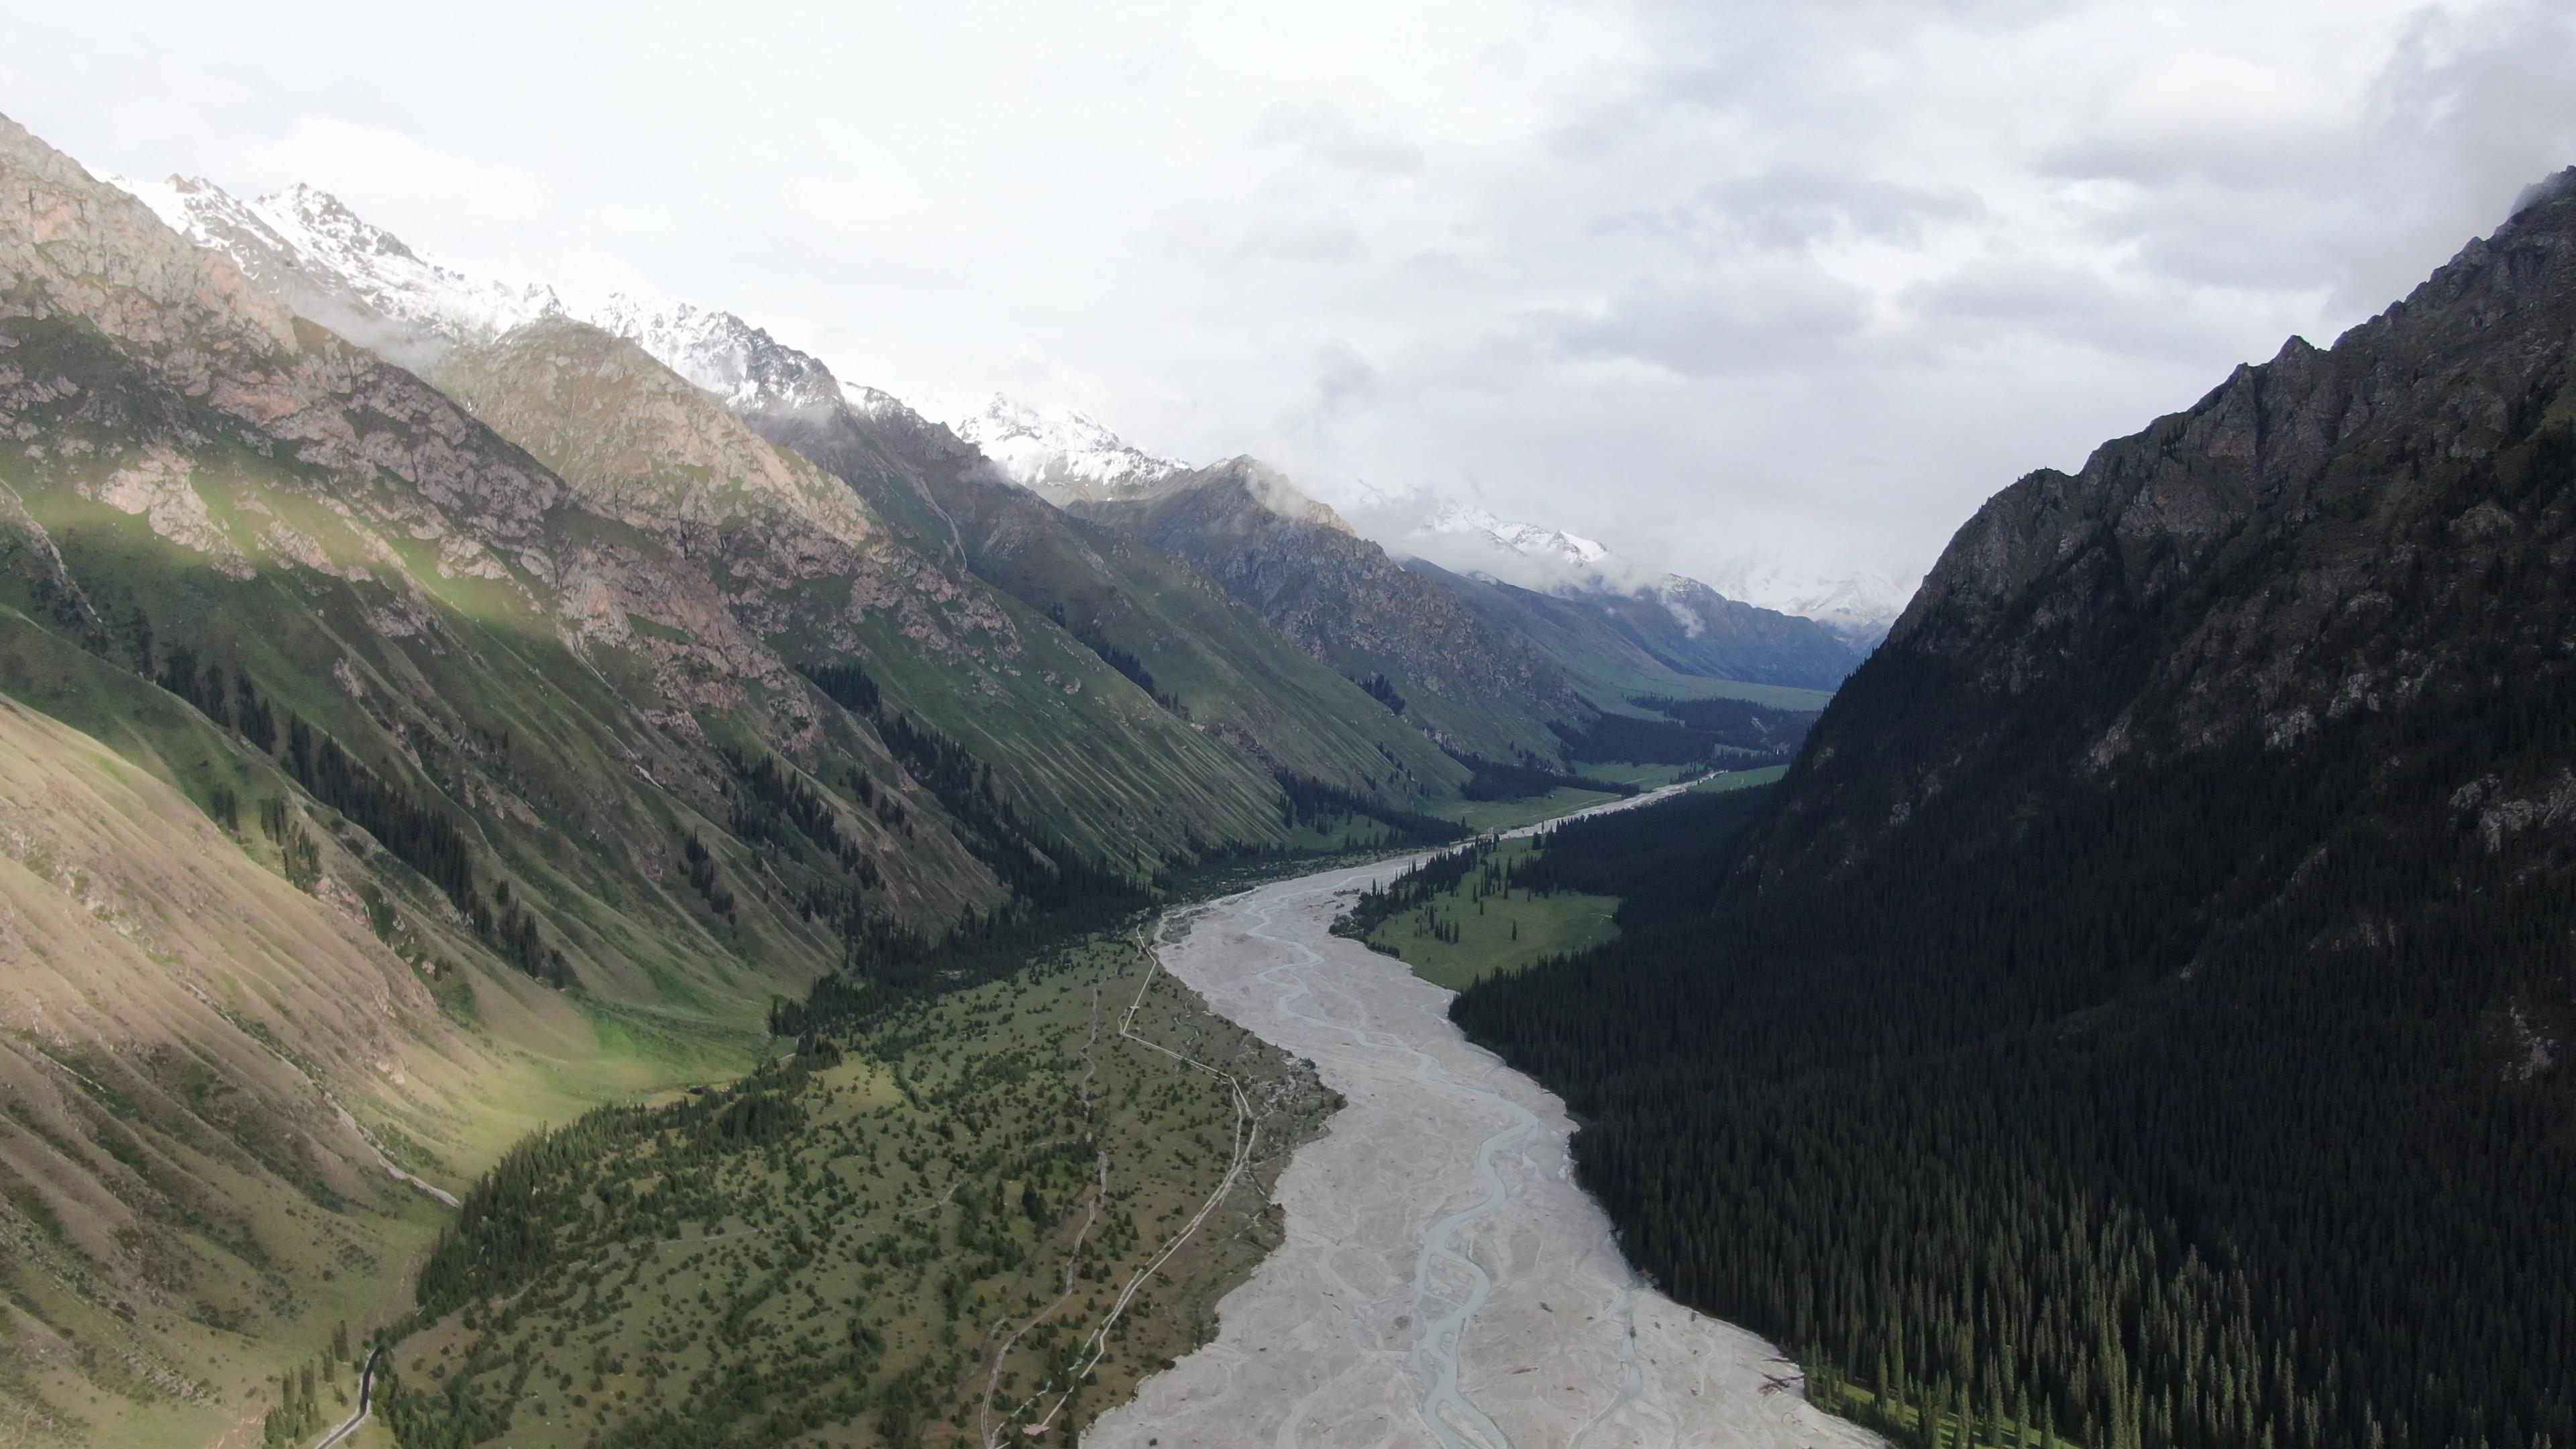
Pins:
x,y
2210,1106
2063,1156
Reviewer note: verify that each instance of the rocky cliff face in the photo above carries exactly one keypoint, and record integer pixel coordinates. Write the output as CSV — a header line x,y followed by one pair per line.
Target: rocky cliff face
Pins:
x,y
2372,531
2168,929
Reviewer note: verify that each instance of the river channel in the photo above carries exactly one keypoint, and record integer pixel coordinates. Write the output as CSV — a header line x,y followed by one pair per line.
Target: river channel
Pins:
x,y
1444,1282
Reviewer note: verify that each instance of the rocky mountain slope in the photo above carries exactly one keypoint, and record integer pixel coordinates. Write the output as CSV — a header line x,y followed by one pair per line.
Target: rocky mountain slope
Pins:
x,y
1339,596
312,253
1061,454
1673,637
2327,546
1183,641
1210,657
2194,1069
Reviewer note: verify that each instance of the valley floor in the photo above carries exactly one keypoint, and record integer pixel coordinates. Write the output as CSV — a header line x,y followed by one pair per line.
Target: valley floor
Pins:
x,y
1444,1281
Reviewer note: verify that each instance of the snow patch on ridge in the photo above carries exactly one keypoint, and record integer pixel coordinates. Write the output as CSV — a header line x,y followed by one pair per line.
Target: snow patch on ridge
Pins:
x,y
1062,453
1530,555
721,353
307,231
366,283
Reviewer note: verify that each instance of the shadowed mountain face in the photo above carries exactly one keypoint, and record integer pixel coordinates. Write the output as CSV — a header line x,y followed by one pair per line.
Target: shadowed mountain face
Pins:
x,y
2327,547
1340,597
2167,931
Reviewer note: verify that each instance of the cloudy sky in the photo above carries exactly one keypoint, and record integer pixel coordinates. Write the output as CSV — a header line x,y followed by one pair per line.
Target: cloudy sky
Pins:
x,y
1794,282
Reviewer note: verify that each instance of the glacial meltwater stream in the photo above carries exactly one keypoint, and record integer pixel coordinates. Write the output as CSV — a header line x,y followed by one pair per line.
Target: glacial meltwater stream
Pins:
x,y
1444,1281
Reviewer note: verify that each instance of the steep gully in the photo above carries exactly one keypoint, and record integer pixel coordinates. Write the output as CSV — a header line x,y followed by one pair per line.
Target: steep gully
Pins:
x,y
1444,1282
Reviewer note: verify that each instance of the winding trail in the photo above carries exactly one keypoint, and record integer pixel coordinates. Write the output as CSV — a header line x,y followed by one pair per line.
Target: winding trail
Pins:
x,y
1444,1282
366,1401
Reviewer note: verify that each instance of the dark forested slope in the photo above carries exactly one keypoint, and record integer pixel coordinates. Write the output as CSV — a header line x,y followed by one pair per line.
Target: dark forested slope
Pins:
x,y
2149,999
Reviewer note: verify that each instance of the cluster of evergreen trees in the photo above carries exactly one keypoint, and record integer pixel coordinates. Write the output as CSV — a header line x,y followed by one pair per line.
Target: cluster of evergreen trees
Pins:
x,y
299,1413
770,799
1382,689
1122,660
1691,732
1737,724
1134,668
424,838
1304,800
705,877
297,852
1627,737
1416,885
846,685
421,836
1494,780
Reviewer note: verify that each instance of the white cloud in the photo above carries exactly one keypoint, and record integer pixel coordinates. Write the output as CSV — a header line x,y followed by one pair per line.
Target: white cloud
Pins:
x,y
1690,278
371,167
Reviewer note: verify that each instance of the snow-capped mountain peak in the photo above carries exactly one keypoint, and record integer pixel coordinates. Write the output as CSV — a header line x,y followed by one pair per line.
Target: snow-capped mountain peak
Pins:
x,y
1859,606
1546,547
1062,453
342,270
720,352
1471,540
369,285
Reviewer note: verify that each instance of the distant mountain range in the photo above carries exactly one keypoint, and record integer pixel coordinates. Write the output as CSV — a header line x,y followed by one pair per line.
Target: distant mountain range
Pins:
x,y
368,285
336,268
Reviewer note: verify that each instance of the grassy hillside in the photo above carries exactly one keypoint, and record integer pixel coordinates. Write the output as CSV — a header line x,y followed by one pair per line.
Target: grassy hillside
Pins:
x,y
996,1209
213,1075
1472,687
1172,631
363,762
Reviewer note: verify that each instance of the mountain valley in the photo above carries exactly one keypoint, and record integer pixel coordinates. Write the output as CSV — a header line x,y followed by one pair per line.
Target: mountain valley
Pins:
x,y
525,704
573,875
